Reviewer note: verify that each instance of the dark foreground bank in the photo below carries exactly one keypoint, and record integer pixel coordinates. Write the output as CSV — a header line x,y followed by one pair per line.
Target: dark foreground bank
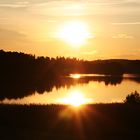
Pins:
x,y
57,122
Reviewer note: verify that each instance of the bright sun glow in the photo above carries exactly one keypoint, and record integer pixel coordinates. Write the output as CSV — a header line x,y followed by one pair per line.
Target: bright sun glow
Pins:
x,y
75,76
74,33
75,99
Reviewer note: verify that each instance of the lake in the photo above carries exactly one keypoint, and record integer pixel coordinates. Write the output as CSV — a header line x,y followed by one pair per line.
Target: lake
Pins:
x,y
84,88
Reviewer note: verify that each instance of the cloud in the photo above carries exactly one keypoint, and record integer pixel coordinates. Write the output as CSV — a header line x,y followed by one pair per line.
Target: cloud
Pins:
x,y
87,2
81,7
122,36
90,2
58,8
126,23
14,40
10,36
71,7
131,3
18,4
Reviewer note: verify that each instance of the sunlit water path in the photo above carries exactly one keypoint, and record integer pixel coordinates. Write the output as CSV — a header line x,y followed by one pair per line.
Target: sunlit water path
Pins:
x,y
95,90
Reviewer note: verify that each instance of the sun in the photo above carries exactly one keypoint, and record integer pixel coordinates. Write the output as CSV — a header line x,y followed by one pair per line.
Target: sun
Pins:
x,y
75,99
74,33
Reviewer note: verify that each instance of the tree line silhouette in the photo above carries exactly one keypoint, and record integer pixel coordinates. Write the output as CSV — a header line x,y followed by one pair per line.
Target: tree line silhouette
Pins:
x,y
26,64
23,74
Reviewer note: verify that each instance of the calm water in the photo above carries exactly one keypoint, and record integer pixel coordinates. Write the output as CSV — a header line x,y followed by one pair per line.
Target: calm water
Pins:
x,y
88,88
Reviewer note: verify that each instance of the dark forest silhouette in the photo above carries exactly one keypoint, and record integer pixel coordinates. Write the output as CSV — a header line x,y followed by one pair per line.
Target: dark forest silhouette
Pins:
x,y
14,64
23,74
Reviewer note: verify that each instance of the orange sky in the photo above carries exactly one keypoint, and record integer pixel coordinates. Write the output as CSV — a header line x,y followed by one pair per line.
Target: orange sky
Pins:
x,y
110,29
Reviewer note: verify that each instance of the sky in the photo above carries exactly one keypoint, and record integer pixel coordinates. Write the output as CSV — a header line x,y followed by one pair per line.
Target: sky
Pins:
x,y
107,29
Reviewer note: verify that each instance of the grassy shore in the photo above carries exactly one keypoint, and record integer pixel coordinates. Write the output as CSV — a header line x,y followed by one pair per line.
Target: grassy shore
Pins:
x,y
59,122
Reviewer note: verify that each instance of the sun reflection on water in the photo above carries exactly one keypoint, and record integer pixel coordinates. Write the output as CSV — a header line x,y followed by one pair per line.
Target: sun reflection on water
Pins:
x,y
75,76
75,99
